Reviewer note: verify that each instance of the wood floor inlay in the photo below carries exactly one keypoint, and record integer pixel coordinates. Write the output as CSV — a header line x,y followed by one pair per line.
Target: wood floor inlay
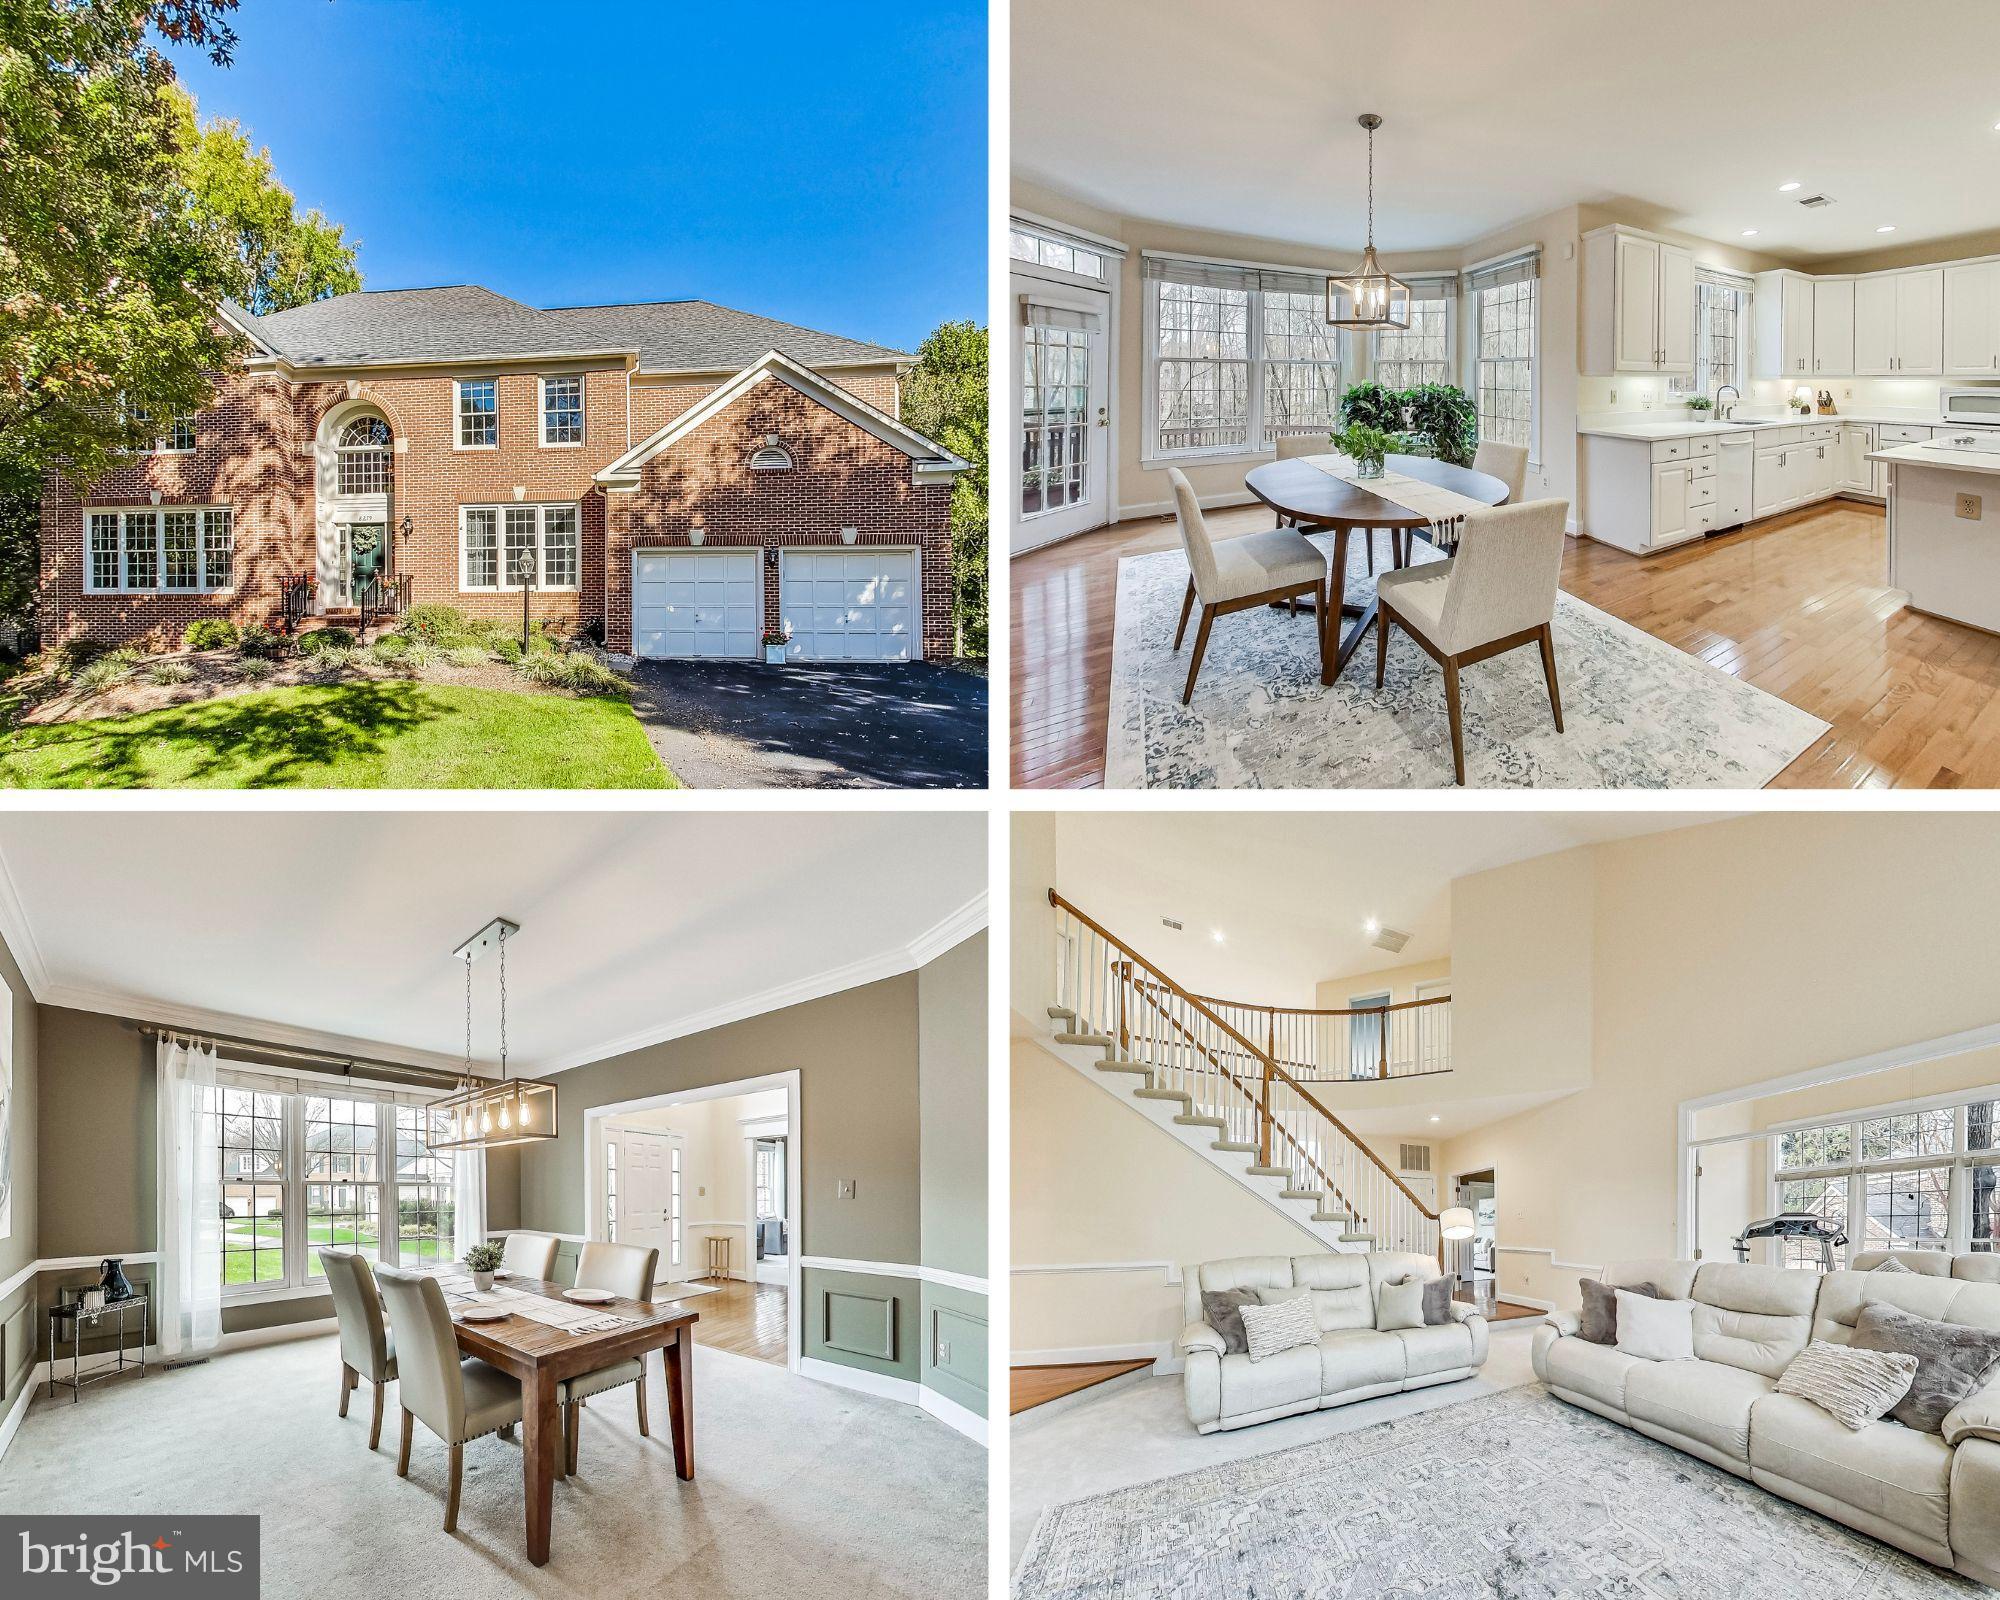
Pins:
x,y
1029,1387
1796,606
746,1319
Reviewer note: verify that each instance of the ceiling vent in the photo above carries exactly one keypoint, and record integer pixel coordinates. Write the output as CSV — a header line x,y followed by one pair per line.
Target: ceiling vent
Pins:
x,y
1172,922
1391,940
1414,1158
1816,202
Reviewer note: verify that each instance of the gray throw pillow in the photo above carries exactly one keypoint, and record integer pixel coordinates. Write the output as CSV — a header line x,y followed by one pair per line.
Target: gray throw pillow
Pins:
x,y
1437,1302
1598,1320
1952,1360
1223,1311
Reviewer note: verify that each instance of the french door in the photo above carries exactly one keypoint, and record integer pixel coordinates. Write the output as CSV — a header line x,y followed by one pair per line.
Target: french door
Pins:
x,y
1062,412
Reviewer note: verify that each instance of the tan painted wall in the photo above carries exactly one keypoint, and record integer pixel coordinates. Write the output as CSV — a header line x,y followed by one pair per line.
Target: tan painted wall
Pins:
x,y
951,1081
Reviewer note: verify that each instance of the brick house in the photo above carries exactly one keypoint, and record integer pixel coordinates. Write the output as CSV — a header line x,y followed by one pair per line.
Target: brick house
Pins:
x,y
674,478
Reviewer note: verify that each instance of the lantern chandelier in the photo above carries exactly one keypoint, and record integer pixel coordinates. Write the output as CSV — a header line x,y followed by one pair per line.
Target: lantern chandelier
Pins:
x,y
1368,297
486,1113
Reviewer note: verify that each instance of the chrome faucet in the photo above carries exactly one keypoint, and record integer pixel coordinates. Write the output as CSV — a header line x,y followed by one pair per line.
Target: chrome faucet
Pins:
x,y
1721,411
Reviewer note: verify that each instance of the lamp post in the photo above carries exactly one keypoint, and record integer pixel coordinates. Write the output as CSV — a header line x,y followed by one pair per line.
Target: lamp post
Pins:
x,y
524,569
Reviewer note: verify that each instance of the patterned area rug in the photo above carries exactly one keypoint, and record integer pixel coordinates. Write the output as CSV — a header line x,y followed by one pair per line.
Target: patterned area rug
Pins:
x,y
1640,714
1515,1495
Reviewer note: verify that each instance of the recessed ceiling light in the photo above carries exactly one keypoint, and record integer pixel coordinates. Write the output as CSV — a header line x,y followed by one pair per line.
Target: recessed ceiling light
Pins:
x,y
1371,927
1749,233
1787,188
1436,1118
1218,936
1887,227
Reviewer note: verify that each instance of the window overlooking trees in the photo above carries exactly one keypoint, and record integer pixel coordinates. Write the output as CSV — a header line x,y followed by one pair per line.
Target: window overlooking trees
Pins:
x,y
1721,325
1420,354
1506,370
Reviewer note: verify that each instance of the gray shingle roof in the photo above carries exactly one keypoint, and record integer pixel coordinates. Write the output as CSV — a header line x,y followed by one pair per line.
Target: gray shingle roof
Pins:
x,y
463,322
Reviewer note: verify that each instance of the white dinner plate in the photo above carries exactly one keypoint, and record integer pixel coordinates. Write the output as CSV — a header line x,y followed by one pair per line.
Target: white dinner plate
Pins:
x,y
497,1276
589,1297
484,1314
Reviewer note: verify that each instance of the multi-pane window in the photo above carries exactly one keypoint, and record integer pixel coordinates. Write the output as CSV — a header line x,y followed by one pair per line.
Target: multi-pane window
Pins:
x,y
491,549
1301,365
1506,368
343,1177
1909,1209
1909,1133
1025,244
1405,358
1055,417
674,1208
365,457
478,413
161,549
611,1190
426,1215
179,439
1825,1198
562,410
1721,319
251,1137
1202,367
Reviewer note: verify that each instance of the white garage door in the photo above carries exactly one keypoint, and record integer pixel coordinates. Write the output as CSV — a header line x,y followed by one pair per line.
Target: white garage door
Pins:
x,y
850,604
697,603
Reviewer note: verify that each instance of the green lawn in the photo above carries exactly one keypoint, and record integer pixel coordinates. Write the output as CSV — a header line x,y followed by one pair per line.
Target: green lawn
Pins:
x,y
370,735
240,1264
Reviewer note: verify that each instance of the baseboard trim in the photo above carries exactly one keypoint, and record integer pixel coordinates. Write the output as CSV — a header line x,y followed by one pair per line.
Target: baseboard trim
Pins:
x,y
1166,1357
11,1423
906,1390
953,1415
1209,502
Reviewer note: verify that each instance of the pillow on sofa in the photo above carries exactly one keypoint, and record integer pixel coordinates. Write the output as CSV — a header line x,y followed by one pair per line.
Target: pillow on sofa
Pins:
x,y
1653,1329
1399,1305
1599,1319
1952,1360
1437,1299
1284,1325
1222,1309
1891,1265
1855,1386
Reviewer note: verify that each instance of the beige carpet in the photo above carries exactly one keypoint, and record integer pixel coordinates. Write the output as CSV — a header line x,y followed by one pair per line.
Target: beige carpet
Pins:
x,y
801,1489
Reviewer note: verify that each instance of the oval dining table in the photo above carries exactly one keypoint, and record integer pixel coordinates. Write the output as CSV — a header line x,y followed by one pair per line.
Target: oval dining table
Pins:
x,y
1318,502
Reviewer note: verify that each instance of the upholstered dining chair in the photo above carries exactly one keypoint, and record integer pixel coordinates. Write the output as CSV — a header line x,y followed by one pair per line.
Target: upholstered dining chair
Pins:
x,y
1507,462
1317,444
366,1350
458,1400
1253,570
627,1271
1497,593
529,1255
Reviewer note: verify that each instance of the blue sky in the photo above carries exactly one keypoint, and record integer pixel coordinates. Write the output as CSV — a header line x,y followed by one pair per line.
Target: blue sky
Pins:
x,y
822,164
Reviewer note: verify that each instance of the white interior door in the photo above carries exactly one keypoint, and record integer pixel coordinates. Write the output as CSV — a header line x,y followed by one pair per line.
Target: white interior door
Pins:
x,y
652,1170
1062,412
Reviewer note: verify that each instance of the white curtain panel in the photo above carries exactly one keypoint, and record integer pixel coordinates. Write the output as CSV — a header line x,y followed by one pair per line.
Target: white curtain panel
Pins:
x,y
468,1195
189,1163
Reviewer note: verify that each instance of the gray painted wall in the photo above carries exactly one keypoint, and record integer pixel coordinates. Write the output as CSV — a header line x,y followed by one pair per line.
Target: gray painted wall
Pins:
x,y
23,1242
952,1078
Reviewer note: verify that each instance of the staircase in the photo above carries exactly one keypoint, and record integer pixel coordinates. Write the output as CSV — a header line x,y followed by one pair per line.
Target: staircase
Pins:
x,y
1188,1065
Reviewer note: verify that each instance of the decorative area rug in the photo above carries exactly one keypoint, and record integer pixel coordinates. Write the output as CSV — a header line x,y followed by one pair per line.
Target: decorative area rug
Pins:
x,y
1515,1495
1640,714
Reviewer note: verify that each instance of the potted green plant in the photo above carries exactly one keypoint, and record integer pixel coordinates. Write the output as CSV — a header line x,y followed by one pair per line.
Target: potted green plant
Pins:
x,y
482,1260
1444,422
775,640
1366,447
1699,406
1374,405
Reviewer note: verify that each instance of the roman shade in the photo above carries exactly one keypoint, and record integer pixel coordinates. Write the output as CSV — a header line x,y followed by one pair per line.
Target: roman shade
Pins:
x,y
1432,286
1036,315
289,1080
1205,273
1521,266
1721,278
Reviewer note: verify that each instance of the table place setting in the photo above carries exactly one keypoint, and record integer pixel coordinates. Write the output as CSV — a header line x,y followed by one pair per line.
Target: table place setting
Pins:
x,y
496,1303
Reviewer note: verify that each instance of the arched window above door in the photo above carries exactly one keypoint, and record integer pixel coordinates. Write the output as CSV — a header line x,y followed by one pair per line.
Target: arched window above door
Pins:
x,y
365,457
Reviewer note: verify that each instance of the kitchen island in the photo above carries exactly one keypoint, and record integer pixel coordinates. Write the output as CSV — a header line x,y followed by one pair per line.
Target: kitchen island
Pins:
x,y
1944,527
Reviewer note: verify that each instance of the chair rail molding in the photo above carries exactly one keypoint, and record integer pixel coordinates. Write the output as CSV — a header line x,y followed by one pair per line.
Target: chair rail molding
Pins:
x,y
897,1269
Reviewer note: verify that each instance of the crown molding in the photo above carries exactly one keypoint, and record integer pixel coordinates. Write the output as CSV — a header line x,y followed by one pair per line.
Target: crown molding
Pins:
x,y
20,937
949,931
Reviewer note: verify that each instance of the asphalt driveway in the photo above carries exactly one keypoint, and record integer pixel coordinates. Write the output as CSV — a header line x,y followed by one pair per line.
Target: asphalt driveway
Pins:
x,y
734,725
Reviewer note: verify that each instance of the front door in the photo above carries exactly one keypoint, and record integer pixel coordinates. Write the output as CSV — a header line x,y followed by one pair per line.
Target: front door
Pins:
x,y
651,1174
1062,408
367,551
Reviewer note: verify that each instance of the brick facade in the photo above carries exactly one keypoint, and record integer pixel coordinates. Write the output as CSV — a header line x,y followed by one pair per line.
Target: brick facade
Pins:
x,y
255,453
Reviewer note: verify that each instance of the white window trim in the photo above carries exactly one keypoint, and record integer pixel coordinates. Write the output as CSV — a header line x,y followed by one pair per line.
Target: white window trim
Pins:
x,y
163,447
541,508
158,514
1451,342
1534,373
458,414
1108,262
542,412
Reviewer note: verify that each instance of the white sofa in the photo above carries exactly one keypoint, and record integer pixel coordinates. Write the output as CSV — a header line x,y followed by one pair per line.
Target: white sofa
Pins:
x,y
1353,1360
1936,1496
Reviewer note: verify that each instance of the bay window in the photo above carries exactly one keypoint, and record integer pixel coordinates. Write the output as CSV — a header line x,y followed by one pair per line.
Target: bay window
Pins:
x,y
1237,357
1507,342
1406,358
159,550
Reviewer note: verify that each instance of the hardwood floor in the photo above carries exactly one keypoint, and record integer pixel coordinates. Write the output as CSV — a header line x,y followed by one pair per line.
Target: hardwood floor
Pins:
x,y
1037,1386
746,1319
1796,606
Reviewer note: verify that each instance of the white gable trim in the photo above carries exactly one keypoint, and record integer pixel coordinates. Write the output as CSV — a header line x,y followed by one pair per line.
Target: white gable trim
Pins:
x,y
933,463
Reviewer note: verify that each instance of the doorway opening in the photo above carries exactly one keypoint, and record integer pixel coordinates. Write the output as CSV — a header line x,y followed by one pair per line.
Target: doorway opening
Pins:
x,y
710,1178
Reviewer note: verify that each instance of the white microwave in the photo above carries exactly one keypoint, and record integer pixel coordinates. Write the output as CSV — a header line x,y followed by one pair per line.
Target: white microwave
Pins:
x,y
1970,405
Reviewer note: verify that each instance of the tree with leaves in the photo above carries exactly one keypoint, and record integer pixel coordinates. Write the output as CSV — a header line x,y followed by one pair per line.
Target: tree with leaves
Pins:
x,y
944,399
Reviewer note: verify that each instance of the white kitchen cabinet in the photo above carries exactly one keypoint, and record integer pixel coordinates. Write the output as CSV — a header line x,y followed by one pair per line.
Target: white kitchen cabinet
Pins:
x,y
1875,326
1855,473
1822,463
1670,502
1833,326
1972,320
1638,304
1772,479
1783,306
1920,321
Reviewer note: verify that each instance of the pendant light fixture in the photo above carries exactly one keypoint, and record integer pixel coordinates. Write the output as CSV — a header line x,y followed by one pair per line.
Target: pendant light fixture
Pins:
x,y
1368,297
485,1113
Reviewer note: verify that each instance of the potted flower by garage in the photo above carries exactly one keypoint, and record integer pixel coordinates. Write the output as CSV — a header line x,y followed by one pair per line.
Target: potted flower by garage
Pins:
x,y
775,640
481,1261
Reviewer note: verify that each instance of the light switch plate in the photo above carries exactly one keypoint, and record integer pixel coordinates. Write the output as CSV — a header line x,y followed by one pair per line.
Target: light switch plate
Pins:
x,y
843,1189
1968,507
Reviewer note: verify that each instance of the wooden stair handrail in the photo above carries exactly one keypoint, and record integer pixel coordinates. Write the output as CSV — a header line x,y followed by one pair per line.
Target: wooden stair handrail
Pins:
x,y
1335,1011
1277,1071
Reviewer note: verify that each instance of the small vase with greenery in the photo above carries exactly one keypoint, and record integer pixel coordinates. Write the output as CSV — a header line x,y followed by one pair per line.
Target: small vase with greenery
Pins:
x,y
1699,406
482,1260
1366,447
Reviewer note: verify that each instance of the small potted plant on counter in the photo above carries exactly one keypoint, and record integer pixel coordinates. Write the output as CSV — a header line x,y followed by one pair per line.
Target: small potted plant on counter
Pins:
x,y
482,1261
1365,446
775,640
1699,406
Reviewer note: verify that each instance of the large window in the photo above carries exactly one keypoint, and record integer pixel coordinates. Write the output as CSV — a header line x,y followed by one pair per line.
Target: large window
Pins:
x,y
478,414
562,410
1239,357
1405,358
159,550
302,1171
364,457
494,541
1055,417
1721,334
1506,368
1922,1178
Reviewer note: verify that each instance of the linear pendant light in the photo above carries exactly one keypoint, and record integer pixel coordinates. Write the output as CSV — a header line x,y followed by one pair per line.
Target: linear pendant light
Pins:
x,y
486,1113
1368,297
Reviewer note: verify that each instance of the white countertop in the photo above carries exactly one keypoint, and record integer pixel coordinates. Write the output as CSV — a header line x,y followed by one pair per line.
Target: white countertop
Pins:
x,y
1613,428
1919,455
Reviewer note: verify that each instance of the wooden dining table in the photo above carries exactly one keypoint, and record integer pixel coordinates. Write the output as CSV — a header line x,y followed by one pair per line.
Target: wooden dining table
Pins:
x,y
542,1356
1317,502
